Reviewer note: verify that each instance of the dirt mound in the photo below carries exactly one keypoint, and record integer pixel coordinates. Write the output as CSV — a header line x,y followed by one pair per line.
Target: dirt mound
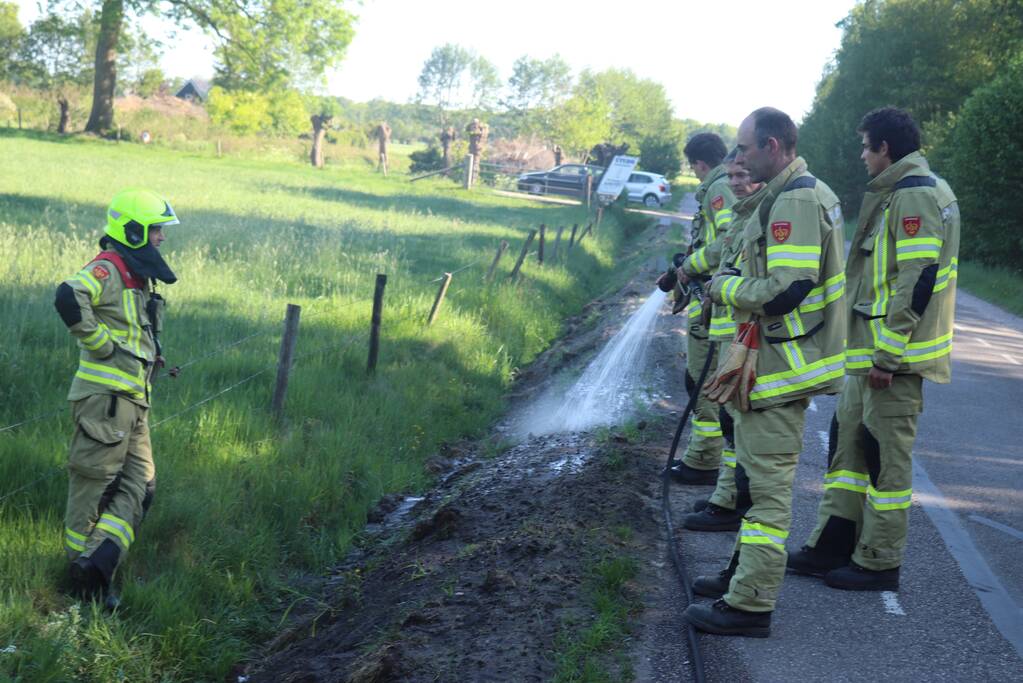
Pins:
x,y
480,587
167,105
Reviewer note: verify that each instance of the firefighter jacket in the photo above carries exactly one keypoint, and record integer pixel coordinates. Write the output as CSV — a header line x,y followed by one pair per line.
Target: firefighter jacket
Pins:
x,y
722,319
107,309
902,273
712,219
792,277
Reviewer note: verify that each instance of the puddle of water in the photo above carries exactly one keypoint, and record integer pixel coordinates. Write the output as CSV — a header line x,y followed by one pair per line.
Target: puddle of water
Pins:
x,y
610,387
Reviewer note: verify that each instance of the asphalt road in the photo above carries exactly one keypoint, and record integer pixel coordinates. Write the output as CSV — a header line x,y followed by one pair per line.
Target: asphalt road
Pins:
x,y
957,615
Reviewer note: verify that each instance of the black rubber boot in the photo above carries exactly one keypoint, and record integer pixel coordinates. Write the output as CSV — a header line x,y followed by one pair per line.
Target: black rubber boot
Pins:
x,y
684,474
853,577
700,504
714,518
724,620
86,580
716,585
812,562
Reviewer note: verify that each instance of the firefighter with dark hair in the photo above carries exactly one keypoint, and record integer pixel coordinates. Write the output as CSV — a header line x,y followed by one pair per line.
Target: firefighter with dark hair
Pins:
x,y
901,281
705,153
786,292
112,309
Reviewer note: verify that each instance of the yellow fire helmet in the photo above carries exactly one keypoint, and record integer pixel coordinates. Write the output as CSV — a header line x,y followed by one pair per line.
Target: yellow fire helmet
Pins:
x,y
133,212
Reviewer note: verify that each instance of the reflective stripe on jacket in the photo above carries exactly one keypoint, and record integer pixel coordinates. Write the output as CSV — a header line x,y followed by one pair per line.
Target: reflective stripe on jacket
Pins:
x,y
117,347
902,273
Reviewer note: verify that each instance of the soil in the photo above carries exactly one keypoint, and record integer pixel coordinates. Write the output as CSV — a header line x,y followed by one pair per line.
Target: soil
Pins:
x,y
477,580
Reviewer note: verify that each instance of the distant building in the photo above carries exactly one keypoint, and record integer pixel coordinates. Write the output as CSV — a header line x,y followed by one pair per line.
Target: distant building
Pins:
x,y
195,90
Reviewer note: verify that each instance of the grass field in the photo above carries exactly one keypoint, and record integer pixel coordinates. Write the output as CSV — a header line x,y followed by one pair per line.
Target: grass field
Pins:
x,y
247,511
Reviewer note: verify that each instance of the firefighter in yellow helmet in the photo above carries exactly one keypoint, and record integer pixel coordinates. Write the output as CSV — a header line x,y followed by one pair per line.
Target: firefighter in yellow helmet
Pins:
x,y
112,309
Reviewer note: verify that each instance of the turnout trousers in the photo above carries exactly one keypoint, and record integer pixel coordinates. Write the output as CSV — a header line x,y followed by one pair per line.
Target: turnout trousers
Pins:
x,y
732,489
869,483
705,438
112,479
767,444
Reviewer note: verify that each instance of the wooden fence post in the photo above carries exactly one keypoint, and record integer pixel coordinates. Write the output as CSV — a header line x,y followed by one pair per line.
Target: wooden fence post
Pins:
x,y
468,171
557,241
497,257
445,281
288,339
374,328
589,190
220,149
522,256
589,228
543,239
600,214
571,239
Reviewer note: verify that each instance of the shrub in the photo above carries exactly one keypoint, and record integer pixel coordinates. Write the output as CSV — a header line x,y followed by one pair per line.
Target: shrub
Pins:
x,y
985,169
424,160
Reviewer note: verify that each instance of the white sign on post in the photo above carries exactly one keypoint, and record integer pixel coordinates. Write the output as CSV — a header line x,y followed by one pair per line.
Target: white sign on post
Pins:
x,y
613,181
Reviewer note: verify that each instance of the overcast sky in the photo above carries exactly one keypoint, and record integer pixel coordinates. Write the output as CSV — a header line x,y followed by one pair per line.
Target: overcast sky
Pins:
x,y
718,60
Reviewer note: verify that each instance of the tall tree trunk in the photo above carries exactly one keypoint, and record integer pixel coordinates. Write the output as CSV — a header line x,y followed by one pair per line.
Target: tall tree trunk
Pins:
x,y
319,133
101,118
65,114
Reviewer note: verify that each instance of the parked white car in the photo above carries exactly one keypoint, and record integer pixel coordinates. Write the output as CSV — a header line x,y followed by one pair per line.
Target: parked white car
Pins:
x,y
651,189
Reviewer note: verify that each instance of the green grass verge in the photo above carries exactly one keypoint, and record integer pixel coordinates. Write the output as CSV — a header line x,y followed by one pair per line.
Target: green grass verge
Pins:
x,y
246,508
1000,286
594,652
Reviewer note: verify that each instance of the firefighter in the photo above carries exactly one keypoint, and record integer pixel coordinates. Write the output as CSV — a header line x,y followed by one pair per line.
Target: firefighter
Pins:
x,y
112,309
724,509
705,153
788,289
902,283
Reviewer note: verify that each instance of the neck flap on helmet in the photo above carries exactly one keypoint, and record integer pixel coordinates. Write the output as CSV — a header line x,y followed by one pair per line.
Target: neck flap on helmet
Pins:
x,y
146,261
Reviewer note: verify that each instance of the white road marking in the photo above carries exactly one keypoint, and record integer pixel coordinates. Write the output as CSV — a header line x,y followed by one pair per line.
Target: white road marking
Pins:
x,y
1004,611
891,603
813,406
985,342
998,525
1011,359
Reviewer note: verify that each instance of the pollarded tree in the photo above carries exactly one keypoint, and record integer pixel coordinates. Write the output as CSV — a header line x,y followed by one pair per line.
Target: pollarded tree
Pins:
x,y
259,44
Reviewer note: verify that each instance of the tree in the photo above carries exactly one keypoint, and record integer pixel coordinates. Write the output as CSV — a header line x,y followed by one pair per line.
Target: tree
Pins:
x,y
11,35
52,59
925,56
454,77
580,123
259,44
535,88
441,76
323,110
986,170
639,108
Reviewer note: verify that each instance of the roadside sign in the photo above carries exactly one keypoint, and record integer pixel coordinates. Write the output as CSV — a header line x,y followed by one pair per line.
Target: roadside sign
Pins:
x,y
613,181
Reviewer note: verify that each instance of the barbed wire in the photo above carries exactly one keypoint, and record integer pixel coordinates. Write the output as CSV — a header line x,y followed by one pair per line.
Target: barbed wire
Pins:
x,y
53,470
459,270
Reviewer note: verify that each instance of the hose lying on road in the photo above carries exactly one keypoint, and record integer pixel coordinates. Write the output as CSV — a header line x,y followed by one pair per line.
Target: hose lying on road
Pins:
x,y
676,556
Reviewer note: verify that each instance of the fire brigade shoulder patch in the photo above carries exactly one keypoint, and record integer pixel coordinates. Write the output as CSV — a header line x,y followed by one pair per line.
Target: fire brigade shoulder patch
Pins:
x,y
911,224
718,203
100,272
781,230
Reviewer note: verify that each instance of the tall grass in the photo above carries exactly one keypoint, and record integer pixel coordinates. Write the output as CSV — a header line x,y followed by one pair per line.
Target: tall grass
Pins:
x,y
245,507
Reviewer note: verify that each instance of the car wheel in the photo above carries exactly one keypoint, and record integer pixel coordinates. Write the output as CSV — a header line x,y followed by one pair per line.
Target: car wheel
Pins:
x,y
651,201
536,188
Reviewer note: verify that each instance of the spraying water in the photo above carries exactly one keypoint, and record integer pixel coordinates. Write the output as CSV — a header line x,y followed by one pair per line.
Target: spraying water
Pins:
x,y
609,387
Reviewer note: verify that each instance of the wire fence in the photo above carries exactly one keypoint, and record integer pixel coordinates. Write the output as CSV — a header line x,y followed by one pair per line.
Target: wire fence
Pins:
x,y
341,348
